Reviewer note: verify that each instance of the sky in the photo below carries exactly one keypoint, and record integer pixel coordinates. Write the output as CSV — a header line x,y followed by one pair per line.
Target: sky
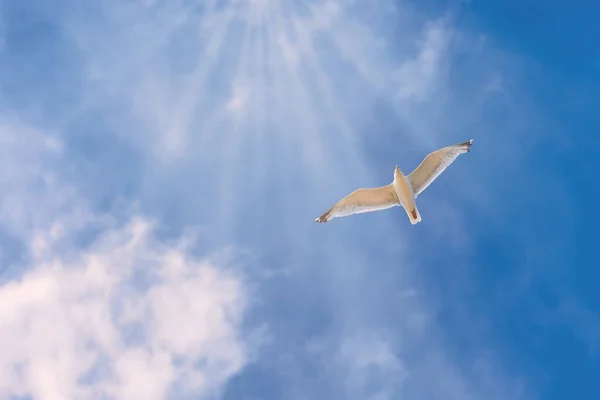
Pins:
x,y
163,162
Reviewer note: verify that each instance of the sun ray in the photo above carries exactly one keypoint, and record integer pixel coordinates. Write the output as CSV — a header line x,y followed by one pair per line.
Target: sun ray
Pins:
x,y
195,84
294,101
351,38
235,136
346,143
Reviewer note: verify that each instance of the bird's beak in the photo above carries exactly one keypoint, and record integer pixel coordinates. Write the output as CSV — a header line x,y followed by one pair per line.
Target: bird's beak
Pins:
x,y
396,168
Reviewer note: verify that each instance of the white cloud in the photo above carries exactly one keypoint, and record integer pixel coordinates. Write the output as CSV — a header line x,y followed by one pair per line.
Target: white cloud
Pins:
x,y
30,162
127,318
582,322
238,98
416,78
324,13
495,84
408,362
124,317
289,51
371,360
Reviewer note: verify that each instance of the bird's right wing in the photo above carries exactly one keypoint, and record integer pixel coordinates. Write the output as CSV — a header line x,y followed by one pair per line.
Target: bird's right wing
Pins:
x,y
434,164
362,200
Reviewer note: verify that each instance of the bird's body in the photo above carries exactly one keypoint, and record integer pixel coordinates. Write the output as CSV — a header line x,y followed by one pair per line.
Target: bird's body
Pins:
x,y
406,196
403,190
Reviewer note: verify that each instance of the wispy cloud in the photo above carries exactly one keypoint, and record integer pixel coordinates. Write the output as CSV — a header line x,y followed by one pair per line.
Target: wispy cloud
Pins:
x,y
416,78
32,171
371,362
238,99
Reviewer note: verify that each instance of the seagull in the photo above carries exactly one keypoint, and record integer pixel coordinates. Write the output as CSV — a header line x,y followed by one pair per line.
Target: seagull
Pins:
x,y
402,191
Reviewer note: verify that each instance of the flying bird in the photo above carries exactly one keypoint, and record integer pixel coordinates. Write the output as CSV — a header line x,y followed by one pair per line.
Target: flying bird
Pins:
x,y
402,191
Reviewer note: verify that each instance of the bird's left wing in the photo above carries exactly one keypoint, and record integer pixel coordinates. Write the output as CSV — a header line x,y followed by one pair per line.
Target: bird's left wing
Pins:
x,y
362,200
434,164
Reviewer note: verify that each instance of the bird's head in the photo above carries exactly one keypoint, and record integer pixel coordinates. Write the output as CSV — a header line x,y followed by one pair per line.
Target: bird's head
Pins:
x,y
397,172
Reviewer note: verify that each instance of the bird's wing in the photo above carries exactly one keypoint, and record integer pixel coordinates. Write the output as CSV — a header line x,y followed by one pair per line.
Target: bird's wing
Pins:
x,y
362,200
434,164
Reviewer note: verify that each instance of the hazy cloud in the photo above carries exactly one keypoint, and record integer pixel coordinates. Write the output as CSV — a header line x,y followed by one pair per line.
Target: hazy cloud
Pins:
x,y
126,318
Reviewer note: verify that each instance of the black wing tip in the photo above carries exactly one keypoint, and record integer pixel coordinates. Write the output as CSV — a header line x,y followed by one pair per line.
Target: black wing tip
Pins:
x,y
322,218
467,145
325,216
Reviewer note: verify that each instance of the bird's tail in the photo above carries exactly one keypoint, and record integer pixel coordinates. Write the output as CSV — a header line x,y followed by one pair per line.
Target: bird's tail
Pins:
x,y
414,216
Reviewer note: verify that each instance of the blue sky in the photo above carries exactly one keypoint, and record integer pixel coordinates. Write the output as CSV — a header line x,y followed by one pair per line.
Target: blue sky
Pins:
x,y
163,163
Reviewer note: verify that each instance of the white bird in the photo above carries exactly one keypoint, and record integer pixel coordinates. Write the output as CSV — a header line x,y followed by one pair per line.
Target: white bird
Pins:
x,y
402,191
